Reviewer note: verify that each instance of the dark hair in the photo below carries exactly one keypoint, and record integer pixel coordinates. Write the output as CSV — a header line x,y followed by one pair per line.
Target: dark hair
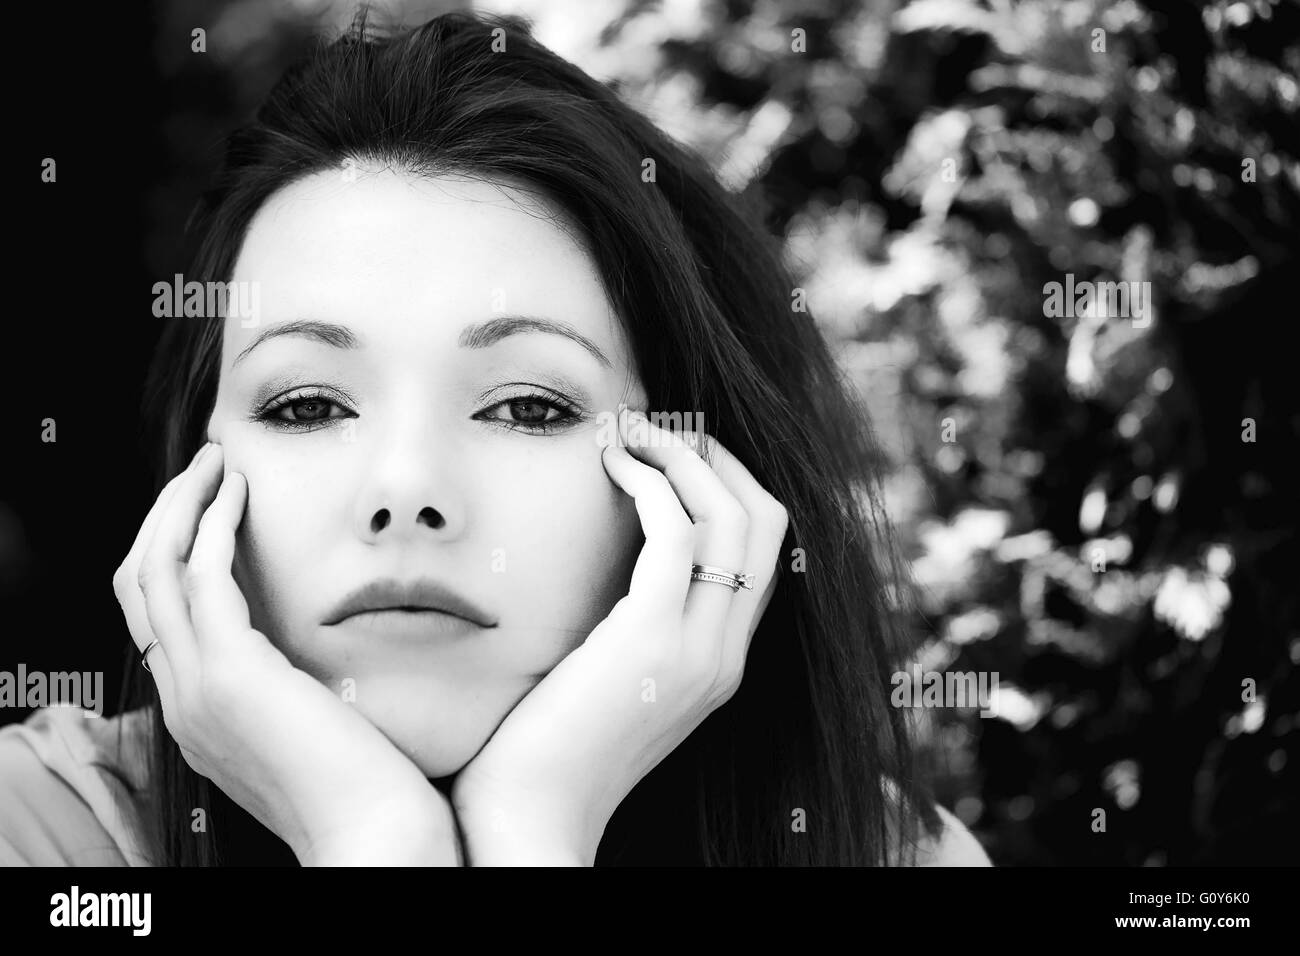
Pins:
x,y
707,307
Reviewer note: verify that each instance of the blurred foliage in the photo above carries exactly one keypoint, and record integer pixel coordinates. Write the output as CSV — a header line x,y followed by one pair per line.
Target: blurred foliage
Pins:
x,y
1083,511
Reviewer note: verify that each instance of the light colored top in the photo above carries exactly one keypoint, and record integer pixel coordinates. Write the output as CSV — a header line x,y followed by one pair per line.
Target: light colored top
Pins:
x,y
63,800
956,845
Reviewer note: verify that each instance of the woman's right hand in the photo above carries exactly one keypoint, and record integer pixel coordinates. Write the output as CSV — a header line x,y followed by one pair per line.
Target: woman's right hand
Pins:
x,y
305,764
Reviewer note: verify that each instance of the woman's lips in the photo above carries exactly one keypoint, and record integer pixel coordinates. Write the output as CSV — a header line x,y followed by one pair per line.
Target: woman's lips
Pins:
x,y
408,623
418,594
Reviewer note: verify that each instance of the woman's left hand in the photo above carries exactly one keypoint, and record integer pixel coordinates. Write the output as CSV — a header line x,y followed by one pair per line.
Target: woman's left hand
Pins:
x,y
669,653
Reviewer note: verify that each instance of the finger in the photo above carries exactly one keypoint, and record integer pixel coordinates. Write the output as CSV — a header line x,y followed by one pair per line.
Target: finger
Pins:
x,y
126,580
162,569
217,606
662,571
768,523
149,526
160,668
721,523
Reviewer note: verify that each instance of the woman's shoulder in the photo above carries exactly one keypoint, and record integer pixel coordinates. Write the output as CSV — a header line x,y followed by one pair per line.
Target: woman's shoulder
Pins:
x,y
72,789
952,845
955,845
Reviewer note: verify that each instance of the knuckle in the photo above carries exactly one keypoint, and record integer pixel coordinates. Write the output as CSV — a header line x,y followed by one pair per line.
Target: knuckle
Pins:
x,y
702,667
727,682
123,581
725,692
778,518
170,724
182,708
174,723
194,762
147,576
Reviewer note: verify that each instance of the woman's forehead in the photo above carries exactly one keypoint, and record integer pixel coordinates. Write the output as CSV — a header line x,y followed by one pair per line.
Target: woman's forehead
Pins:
x,y
418,229
387,252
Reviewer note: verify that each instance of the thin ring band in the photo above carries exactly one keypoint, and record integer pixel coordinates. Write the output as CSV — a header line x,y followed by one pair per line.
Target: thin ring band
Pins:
x,y
144,654
732,579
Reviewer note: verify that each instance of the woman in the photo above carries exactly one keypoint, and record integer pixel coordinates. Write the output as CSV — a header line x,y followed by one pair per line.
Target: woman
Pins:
x,y
518,464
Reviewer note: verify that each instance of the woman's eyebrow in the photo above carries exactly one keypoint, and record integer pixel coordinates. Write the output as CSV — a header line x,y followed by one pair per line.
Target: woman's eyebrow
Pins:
x,y
483,334
475,336
327,333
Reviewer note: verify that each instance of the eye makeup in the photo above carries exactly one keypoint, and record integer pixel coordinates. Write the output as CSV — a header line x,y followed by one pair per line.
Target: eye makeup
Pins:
x,y
291,404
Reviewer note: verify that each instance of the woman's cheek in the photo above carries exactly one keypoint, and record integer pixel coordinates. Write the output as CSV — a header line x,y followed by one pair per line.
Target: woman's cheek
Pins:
x,y
574,537
608,536
273,545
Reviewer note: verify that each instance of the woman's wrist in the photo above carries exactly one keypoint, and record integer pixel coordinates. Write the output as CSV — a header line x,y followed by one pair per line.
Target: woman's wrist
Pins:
x,y
502,849
496,833
423,836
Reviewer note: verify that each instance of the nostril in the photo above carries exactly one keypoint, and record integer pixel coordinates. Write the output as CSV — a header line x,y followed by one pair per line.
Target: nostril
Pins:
x,y
380,521
432,518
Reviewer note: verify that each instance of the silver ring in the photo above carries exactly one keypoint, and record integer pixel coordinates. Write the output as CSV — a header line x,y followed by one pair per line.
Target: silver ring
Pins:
x,y
732,579
144,654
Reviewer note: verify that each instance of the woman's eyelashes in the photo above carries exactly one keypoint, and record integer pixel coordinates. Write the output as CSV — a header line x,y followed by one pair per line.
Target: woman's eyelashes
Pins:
x,y
537,411
303,409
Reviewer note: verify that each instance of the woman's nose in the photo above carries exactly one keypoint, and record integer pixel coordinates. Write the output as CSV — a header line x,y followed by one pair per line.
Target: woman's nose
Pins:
x,y
426,516
407,497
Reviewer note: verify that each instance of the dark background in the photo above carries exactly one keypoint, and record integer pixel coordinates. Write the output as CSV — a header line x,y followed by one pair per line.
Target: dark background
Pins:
x,y
76,341
1120,689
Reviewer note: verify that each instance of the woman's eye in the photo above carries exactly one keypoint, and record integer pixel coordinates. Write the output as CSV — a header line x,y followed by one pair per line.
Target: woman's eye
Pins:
x,y
531,412
304,410
536,413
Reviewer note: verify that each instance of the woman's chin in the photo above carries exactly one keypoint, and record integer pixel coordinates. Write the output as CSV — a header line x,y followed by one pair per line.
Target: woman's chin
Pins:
x,y
442,770
439,742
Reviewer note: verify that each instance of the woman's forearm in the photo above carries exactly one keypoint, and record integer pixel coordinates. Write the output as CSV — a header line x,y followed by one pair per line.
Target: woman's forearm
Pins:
x,y
501,850
419,840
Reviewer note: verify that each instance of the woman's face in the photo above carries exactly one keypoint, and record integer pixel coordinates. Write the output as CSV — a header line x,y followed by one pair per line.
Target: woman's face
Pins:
x,y
425,418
